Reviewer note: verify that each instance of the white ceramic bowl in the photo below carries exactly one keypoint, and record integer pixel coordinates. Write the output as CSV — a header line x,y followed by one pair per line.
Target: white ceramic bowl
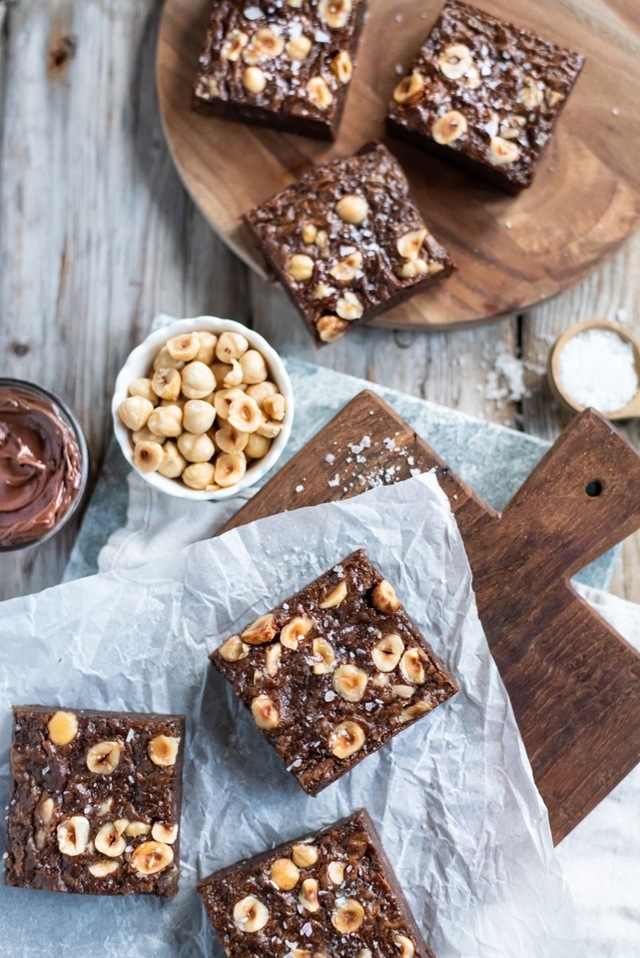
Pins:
x,y
139,363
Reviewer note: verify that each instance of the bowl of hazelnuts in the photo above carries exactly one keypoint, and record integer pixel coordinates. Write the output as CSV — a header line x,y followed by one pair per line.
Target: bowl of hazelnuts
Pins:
x,y
203,408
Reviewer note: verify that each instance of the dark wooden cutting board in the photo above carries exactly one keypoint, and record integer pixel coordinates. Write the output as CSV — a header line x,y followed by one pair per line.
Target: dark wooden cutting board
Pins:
x,y
574,682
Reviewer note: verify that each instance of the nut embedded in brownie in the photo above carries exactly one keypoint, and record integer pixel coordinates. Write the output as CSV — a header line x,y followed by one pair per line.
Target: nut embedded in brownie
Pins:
x,y
332,893
287,65
334,672
484,94
347,241
95,801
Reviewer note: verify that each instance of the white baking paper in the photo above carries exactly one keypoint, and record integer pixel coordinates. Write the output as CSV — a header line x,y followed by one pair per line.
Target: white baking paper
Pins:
x,y
453,796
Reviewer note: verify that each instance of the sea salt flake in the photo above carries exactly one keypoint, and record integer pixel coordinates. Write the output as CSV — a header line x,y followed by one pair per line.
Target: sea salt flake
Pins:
x,y
252,13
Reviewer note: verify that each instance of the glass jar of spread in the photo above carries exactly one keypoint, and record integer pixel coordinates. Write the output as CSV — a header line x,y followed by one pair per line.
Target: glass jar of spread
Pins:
x,y
43,464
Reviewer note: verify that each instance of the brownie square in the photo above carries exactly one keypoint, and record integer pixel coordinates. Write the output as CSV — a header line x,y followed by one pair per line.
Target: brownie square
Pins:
x,y
95,801
331,894
484,93
286,65
347,241
334,672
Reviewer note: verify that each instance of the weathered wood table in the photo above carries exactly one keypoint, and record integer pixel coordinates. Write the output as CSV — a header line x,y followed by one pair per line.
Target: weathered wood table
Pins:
x,y
97,234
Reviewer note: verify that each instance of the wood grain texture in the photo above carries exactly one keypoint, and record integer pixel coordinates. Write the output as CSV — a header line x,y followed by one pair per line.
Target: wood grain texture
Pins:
x,y
574,683
511,252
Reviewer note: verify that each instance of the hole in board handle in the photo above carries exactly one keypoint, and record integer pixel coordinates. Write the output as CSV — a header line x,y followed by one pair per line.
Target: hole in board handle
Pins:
x,y
593,488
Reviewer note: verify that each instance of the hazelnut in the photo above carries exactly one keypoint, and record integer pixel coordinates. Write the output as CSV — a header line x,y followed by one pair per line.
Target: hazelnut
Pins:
x,y
410,244
346,739
148,456
234,376
105,808
409,89
380,680
200,476
406,946
412,666
162,832
298,49
261,631
403,691
322,239
364,953
350,682
231,346
163,750
198,416
265,44
250,915
335,872
342,67
352,209
254,367
554,97
135,411
304,854
166,383
231,440
449,127
413,268
260,391
472,78
502,152
349,307
166,421
300,267
387,651
347,916
195,448
530,96
337,595
253,80
413,712
184,347
207,346
454,61
324,657
62,727
145,435
308,896
103,868
284,874
197,380
233,649
269,428
329,328
244,414
345,270
164,360
151,857
319,93
257,446
295,630
309,233
229,469
73,835
109,841
135,829
265,714
142,387
233,45
335,13
45,810
384,598
274,407
103,758
272,658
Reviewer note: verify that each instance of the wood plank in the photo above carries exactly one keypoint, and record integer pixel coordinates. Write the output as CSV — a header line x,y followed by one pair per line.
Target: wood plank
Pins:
x,y
573,681
511,252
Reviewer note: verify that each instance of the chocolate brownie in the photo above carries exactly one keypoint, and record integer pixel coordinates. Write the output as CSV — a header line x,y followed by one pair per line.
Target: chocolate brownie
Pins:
x,y
286,65
347,241
95,801
332,893
484,93
334,672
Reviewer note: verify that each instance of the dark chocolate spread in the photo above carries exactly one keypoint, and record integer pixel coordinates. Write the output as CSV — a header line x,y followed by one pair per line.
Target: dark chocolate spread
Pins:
x,y
40,466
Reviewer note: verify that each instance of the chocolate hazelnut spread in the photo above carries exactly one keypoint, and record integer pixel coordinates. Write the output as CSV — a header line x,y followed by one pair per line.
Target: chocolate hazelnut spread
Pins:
x,y
40,466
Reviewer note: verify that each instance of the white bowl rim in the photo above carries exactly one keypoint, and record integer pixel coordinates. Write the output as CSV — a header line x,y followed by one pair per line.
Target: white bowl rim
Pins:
x,y
141,357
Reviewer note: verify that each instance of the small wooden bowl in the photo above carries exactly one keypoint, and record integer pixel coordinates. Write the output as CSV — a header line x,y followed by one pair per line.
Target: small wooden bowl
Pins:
x,y
632,409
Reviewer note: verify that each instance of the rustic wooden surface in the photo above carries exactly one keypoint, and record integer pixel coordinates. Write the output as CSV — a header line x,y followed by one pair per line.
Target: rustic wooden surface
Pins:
x,y
510,252
572,679
97,234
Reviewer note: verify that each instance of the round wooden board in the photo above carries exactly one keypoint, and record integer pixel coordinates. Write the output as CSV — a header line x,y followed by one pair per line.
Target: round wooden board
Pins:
x,y
511,252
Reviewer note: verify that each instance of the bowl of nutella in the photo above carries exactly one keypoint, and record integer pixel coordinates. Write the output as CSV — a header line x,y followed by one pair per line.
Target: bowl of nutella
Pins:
x,y
43,464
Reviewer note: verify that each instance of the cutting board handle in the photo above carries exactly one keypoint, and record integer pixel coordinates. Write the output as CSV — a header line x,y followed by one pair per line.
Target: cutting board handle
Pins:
x,y
582,499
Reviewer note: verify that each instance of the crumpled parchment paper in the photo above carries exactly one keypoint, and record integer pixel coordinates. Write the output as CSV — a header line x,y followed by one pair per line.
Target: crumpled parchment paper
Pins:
x,y
453,796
